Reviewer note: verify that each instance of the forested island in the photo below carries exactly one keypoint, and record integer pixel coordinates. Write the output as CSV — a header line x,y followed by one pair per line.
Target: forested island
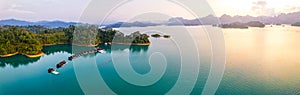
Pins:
x,y
296,24
29,40
158,35
242,25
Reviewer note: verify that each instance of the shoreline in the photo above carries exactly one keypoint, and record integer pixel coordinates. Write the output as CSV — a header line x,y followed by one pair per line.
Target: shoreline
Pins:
x,y
42,53
27,55
55,44
136,44
91,45
8,55
34,56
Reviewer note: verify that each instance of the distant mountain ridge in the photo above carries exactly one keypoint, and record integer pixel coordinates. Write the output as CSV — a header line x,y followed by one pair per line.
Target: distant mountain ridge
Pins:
x,y
289,18
132,24
50,24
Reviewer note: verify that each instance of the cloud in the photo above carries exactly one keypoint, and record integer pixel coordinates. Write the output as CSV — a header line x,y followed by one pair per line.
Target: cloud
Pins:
x,y
18,9
260,8
51,1
294,9
260,3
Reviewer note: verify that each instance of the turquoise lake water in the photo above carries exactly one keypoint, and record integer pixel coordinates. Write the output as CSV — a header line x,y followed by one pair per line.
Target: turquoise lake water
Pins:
x,y
259,61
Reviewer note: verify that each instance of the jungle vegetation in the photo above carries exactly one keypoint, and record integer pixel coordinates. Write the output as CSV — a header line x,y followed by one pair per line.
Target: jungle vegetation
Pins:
x,y
31,39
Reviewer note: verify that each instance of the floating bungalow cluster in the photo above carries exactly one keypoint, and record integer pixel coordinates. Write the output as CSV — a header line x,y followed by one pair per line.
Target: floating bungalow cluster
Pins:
x,y
62,63
85,53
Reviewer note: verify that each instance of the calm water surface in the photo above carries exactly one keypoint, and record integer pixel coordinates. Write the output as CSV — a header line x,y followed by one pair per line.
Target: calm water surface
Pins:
x,y
260,61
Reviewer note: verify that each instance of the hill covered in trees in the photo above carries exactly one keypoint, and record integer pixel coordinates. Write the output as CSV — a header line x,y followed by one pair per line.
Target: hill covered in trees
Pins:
x,y
242,25
296,24
29,40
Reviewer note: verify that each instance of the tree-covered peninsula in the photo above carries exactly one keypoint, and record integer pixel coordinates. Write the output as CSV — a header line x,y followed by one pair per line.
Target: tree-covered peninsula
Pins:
x,y
30,40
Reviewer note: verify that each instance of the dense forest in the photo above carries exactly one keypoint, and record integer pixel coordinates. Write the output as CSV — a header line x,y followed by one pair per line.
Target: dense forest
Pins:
x,y
243,25
31,39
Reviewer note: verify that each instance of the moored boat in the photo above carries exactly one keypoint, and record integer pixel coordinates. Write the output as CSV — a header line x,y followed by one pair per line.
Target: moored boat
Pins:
x,y
60,64
52,71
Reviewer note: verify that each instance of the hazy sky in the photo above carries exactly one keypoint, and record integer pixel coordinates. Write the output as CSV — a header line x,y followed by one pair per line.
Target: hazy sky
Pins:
x,y
254,7
70,10
35,10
